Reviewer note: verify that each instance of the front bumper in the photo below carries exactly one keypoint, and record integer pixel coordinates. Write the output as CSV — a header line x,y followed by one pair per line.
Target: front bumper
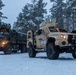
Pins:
x,y
1,48
67,48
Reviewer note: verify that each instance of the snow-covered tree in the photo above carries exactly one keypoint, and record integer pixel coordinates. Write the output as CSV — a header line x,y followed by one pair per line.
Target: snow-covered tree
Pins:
x,y
57,12
32,15
1,14
24,22
38,12
70,14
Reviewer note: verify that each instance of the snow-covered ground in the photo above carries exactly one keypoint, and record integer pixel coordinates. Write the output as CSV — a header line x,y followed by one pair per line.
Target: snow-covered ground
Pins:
x,y
21,64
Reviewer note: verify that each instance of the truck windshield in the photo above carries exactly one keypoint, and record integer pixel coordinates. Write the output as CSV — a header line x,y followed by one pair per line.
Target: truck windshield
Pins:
x,y
62,30
1,33
4,31
53,29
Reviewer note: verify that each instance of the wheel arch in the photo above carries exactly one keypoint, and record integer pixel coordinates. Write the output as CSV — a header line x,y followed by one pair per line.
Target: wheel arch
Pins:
x,y
51,40
30,43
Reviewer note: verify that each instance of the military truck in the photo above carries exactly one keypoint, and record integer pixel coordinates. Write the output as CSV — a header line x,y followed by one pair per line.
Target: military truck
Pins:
x,y
52,40
11,40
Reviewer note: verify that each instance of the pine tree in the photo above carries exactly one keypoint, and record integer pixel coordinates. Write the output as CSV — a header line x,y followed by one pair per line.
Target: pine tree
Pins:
x,y
38,12
31,16
58,12
1,14
24,21
73,6
70,14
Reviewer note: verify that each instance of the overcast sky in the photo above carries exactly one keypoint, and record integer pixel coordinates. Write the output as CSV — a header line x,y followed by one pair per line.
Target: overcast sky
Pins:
x,y
13,7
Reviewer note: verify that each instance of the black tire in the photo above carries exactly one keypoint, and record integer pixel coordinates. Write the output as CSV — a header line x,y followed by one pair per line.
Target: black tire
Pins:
x,y
52,53
31,52
74,54
8,49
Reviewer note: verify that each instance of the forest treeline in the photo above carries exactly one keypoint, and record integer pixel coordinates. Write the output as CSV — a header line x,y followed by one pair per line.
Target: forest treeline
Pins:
x,y
63,12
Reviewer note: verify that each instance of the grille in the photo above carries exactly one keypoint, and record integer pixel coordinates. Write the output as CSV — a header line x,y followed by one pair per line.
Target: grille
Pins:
x,y
71,39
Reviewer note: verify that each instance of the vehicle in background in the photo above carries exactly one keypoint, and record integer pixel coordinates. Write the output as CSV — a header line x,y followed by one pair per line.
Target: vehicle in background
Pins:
x,y
11,41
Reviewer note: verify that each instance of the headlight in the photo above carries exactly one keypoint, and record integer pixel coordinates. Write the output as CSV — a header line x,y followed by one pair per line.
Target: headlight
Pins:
x,y
63,36
4,43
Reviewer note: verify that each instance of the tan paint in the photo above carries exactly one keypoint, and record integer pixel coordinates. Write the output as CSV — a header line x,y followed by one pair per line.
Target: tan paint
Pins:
x,y
42,39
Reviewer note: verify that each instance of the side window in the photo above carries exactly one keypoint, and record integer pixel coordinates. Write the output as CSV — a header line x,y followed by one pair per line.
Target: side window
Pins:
x,y
39,32
29,35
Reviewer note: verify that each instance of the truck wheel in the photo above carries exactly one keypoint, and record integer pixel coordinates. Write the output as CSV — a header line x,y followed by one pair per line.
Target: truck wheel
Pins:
x,y
31,52
52,53
74,54
8,50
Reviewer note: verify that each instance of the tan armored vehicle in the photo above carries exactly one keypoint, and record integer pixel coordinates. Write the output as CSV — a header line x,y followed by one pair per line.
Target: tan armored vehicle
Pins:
x,y
51,40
